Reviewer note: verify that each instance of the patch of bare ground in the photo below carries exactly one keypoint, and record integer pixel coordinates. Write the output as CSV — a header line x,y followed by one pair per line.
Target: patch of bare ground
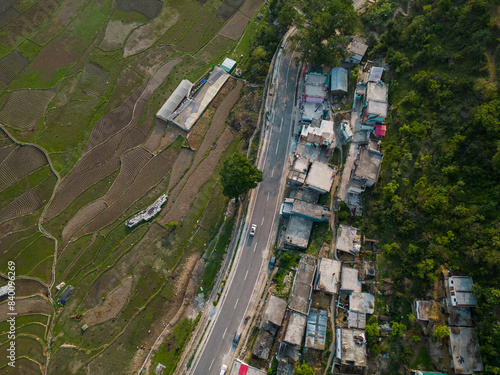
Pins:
x,y
131,139
82,217
235,26
20,163
114,121
111,305
25,204
154,139
75,259
148,62
196,180
171,134
29,288
132,162
116,33
182,162
251,7
144,36
159,77
217,126
70,189
149,176
26,306
96,156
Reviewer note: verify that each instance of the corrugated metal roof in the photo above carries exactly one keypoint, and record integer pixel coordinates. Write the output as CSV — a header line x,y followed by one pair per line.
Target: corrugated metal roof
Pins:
x,y
375,74
339,79
316,329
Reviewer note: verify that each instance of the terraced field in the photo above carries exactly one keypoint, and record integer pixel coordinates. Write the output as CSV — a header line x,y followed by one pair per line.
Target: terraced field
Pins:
x,y
81,151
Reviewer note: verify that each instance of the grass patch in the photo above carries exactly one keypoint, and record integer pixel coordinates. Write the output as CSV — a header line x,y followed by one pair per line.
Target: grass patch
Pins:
x,y
286,261
170,352
320,234
423,359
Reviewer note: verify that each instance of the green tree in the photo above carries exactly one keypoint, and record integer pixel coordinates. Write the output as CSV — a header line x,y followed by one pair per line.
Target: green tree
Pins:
x,y
398,329
238,176
372,332
441,331
303,370
321,37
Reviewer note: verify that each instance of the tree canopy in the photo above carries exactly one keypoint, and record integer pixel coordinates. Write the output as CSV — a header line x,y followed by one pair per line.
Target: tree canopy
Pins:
x,y
238,176
305,369
322,31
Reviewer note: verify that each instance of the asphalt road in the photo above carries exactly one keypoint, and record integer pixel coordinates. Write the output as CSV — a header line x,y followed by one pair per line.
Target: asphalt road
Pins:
x,y
219,349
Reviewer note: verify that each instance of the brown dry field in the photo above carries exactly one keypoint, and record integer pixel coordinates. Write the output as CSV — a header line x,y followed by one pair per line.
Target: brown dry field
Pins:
x,y
27,306
5,152
131,164
111,306
70,189
235,26
151,60
154,139
132,138
251,7
116,33
98,155
27,288
25,204
149,176
20,163
91,210
182,162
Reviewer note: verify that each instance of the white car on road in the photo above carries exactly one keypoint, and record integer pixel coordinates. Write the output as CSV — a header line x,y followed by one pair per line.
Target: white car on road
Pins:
x,y
253,229
223,370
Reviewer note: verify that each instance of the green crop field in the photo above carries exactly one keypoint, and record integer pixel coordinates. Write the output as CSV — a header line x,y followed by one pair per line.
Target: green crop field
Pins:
x,y
82,81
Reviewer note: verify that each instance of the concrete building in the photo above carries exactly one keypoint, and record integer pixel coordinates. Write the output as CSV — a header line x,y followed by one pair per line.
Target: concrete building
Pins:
x,y
306,210
348,239
328,275
263,345
464,350
316,329
357,48
349,281
300,298
459,291
351,347
362,302
314,103
320,177
295,327
367,166
148,213
323,135
346,131
339,81
273,316
376,107
298,172
298,232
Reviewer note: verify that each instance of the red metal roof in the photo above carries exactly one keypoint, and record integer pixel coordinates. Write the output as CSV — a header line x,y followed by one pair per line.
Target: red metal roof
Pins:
x,y
380,130
243,369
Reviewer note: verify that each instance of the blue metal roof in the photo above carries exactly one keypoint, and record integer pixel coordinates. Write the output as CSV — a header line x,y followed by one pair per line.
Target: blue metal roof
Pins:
x,y
339,79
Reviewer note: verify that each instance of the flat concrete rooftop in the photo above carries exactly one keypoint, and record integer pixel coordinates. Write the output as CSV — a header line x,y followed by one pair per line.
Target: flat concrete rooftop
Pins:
x,y
464,346
349,280
368,165
298,231
377,91
295,328
311,210
348,239
320,176
329,275
362,302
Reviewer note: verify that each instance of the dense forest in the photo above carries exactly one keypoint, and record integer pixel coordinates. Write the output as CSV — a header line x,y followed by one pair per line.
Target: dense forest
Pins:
x,y
437,201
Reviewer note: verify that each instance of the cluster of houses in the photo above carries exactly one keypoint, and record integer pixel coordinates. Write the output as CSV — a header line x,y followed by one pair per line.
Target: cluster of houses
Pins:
x,y
321,285
463,341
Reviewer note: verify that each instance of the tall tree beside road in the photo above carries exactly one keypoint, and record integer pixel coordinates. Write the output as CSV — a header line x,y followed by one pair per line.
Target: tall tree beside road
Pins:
x,y
238,176
322,36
